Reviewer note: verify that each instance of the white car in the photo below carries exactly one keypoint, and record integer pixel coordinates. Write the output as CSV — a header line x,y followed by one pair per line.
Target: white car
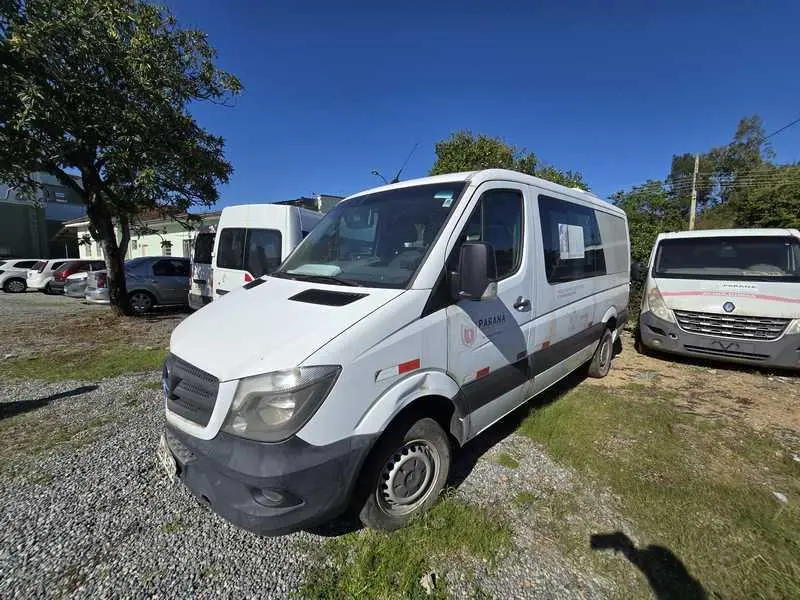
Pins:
x,y
40,276
14,273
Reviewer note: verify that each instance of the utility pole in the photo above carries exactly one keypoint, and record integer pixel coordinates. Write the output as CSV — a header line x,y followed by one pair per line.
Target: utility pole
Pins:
x,y
693,208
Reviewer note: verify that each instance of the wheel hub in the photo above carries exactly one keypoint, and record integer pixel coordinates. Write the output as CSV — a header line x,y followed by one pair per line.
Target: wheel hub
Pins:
x,y
407,477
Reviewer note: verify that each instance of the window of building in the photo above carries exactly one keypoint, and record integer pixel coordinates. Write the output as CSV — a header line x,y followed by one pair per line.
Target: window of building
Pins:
x,y
187,248
60,197
573,248
497,220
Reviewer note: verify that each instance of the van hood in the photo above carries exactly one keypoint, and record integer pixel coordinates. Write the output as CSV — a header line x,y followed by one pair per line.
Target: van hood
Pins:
x,y
749,298
271,324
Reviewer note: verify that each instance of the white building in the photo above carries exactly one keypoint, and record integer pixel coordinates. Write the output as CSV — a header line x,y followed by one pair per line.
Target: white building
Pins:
x,y
163,236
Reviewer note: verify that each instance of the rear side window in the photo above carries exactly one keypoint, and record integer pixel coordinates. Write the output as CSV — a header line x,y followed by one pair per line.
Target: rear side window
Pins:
x,y
203,246
573,248
263,252
57,265
97,265
230,252
257,251
24,264
171,268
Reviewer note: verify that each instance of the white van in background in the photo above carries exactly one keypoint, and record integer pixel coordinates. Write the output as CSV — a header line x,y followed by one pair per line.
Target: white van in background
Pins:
x,y
201,288
411,319
730,294
253,239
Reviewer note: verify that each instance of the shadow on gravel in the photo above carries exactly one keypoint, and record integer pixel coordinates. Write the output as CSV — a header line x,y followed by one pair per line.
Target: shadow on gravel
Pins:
x,y
467,457
12,409
667,575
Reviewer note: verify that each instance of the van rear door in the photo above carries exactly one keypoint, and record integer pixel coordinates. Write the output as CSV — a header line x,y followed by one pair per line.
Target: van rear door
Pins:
x,y
201,284
244,254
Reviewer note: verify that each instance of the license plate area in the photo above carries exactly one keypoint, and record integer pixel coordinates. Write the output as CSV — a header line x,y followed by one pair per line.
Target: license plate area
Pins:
x,y
166,459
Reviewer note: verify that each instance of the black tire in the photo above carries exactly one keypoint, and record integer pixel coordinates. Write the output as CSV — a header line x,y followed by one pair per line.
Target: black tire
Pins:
x,y
142,302
47,289
15,285
414,455
601,361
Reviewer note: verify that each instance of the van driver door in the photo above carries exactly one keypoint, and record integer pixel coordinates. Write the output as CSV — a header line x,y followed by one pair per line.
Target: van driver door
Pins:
x,y
488,339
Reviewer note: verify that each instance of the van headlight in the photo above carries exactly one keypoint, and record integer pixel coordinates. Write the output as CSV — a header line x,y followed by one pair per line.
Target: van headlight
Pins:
x,y
657,306
273,406
793,328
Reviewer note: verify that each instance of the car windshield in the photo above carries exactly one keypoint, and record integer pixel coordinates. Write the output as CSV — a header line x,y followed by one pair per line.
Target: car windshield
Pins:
x,y
375,240
765,258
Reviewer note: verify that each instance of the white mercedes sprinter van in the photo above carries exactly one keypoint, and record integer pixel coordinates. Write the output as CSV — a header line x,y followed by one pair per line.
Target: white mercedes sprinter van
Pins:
x,y
413,317
729,294
253,239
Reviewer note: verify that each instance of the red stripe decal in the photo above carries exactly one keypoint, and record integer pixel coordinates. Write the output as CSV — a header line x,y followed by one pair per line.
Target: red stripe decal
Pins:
x,y
405,367
482,373
732,294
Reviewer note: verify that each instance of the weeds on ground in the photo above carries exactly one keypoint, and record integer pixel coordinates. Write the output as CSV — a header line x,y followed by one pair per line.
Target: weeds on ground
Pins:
x,y
698,487
84,365
504,459
369,564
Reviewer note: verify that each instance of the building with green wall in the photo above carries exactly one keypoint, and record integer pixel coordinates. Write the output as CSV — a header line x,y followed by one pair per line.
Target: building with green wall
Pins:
x,y
31,225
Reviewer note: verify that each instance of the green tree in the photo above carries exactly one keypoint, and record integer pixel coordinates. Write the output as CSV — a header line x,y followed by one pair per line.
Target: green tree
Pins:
x,y
102,88
768,197
465,151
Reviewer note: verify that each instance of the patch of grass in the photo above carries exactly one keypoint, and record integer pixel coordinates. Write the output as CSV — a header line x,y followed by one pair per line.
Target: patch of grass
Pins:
x,y
27,435
173,526
525,499
699,487
369,564
85,365
152,385
504,459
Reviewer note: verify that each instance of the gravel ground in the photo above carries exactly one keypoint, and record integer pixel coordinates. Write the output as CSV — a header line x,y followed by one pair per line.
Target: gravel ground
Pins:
x,y
93,516
101,520
21,308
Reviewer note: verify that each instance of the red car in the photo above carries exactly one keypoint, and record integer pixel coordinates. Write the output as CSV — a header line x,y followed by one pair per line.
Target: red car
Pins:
x,y
70,268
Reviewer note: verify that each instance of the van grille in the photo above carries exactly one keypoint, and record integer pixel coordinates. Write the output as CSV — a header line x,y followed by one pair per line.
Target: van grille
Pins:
x,y
191,392
733,326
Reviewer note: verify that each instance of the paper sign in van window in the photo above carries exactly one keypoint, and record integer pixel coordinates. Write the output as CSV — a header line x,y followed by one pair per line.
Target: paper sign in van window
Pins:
x,y
570,241
446,196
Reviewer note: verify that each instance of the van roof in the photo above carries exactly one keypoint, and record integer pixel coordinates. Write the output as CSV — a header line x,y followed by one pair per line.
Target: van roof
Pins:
x,y
709,233
478,177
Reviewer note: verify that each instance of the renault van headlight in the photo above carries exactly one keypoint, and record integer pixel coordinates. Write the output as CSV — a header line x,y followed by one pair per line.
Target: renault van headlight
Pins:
x,y
273,406
657,306
793,328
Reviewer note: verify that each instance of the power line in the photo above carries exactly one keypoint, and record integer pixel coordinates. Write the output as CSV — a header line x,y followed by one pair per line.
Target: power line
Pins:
x,y
785,127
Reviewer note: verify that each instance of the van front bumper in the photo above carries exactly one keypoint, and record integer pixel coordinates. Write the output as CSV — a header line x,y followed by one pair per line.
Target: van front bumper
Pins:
x,y
269,489
658,334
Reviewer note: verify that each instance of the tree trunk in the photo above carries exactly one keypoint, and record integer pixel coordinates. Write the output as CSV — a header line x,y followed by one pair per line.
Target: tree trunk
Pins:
x,y
103,224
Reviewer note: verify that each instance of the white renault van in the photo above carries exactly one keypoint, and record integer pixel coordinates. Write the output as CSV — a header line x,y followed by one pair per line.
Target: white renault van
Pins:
x,y
253,239
413,317
729,294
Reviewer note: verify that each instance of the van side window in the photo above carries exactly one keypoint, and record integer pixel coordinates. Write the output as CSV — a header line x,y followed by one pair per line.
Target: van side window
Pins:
x,y
497,220
565,258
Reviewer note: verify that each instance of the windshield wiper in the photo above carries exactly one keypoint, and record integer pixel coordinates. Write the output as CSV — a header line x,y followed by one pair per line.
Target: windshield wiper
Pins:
x,y
319,278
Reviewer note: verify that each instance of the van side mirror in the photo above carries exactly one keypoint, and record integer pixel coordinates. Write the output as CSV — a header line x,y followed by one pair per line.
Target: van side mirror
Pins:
x,y
638,271
476,270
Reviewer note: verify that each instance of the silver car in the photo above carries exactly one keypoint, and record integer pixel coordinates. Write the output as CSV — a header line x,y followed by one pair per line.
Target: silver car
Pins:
x,y
151,281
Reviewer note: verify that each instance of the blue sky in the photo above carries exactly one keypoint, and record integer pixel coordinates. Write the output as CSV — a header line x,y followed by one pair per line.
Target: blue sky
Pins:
x,y
611,89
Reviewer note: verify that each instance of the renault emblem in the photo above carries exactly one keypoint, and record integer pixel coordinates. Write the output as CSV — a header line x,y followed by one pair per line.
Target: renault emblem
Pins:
x,y
728,307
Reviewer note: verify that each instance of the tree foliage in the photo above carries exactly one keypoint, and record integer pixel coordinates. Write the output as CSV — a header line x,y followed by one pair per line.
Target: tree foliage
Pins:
x,y
465,151
102,88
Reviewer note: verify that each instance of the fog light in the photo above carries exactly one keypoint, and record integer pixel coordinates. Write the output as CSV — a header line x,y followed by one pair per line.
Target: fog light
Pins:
x,y
272,498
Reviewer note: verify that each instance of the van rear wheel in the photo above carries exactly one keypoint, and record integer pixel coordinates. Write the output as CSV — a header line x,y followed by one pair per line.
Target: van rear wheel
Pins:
x,y
404,474
601,361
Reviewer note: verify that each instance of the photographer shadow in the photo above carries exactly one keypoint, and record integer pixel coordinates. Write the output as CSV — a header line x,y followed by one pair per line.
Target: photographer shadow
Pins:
x,y
667,575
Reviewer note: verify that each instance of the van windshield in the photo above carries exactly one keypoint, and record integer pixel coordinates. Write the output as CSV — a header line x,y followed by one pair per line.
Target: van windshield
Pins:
x,y
376,240
773,258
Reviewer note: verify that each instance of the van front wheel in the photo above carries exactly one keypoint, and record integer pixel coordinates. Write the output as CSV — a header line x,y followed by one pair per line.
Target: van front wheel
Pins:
x,y
601,361
404,475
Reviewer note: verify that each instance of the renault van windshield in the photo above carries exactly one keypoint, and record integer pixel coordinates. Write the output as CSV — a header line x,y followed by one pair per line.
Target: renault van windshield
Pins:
x,y
767,258
375,240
